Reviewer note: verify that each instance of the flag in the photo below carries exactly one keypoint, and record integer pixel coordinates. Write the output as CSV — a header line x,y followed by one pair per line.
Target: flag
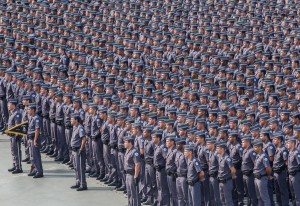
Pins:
x,y
19,129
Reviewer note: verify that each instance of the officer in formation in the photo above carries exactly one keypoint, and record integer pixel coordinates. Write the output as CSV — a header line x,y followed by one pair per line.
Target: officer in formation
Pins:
x,y
206,93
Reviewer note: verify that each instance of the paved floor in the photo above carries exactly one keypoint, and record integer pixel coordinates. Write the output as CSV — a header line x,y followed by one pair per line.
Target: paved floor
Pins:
x,y
53,189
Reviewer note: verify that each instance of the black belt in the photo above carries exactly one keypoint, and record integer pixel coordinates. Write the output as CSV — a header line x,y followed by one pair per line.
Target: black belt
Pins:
x,y
192,182
122,150
30,136
159,168
293,173
149,162
223,180
247,172
213,174
181,174
279,170
130,171
75,149
259,176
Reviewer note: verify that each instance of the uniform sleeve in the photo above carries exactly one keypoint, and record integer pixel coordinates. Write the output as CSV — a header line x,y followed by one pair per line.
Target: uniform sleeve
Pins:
x,y
298,158
266,161
285,154
37,122
82,115
240,151
229,162
81,132
136,157
253,156
164,152
98,122
271,150
197,165
18,118
142,143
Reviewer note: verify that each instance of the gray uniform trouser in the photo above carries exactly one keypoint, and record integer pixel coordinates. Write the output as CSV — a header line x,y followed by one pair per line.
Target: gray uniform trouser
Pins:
x,y
162,188
132,193
238,188
26,146
89,153
226,192
214,191
121,173
295,187
68,134
172,189
63,151
114,164
250,187
106,157
15,147
53,131
4,111
205,193
142,183
261,188
47,132
79,166
98,160
36,157
182,191
150,181
194,194
282,193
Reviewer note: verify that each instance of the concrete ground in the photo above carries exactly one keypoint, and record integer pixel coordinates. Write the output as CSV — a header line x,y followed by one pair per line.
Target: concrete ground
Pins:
x,y
53,189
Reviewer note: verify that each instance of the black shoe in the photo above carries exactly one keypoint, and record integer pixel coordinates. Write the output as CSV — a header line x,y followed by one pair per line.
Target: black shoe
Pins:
x,y
71,166
58,159
82,188
125,191
31,174
42,149
38,176
155,203
17,171
3,129
143,200
118,185
104,179
88,171
113,183
148,203
100,177
94,175
74,186
65,161
29,162
53,155
68,163
45,151
91,173
50,152
122,188
108,182
11,169
26,159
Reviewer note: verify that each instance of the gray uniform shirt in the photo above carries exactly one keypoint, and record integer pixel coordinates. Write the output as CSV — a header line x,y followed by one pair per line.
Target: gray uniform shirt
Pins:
x,y
77,135
170,160
193,169
181,163
261,163
225,163
132,157
294,161
281,155
15,118
248,159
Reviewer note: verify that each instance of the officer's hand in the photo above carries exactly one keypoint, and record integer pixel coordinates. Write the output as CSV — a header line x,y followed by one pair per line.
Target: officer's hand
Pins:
x,y
35,143
80,152
136,180
233,176
270,177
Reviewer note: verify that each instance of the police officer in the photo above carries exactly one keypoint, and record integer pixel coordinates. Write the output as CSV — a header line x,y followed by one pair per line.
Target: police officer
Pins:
x,y
53,128
236,152
194,175
280,172
97,144
15,140
67,110
261,171
132,168
226,173
159,161
248,159
294,170
78,141
181,173
34,127
45,106
213,168
25,117
171,168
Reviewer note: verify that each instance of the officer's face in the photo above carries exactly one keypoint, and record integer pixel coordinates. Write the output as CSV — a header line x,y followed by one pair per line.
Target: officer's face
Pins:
x,y
188,153
257,148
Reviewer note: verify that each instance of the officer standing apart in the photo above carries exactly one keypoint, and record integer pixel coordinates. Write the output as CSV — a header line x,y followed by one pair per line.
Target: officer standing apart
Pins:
x,y
15,140
194,175
78,141
34,127
294,169
261,170
132,166
226,173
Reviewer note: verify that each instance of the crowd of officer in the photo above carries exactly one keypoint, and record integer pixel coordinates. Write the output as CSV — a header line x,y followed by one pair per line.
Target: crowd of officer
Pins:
x,y
184,102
